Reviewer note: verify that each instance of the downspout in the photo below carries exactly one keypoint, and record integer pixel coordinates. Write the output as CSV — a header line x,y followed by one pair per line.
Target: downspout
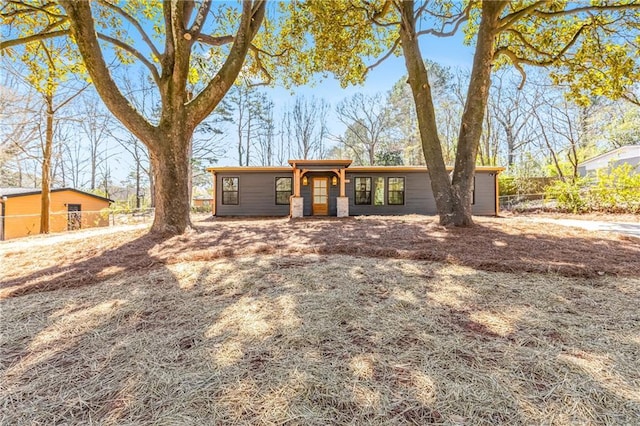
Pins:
x,y
3,202
497,192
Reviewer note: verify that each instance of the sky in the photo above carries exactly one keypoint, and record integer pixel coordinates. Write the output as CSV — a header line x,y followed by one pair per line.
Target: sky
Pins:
x,y
448,51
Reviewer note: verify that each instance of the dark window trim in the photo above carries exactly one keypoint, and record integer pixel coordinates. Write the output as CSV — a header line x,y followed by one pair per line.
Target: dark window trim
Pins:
x,y
237,191
404,190
275,182
356,190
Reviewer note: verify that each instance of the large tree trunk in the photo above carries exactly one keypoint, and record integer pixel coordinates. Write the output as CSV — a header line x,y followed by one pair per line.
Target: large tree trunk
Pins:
x,y
170,166
421,90
45,199
473,115
169,142
452,196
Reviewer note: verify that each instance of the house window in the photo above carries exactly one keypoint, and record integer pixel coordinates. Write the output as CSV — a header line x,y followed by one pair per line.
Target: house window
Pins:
x,y
284,190
363,190
378,197
230,190
395,187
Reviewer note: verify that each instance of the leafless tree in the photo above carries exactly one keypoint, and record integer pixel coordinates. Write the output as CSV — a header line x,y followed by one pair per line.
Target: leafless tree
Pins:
x,y
305,126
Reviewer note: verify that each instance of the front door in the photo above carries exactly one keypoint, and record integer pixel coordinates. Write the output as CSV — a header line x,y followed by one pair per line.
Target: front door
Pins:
x,y
320,196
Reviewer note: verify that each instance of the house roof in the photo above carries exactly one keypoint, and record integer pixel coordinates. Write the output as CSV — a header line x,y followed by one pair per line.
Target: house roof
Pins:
x,y
622,153
319,163
379,169
19,192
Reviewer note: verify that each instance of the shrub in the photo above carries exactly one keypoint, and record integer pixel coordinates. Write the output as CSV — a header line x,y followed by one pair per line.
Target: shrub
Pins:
x,y
616,191
568,195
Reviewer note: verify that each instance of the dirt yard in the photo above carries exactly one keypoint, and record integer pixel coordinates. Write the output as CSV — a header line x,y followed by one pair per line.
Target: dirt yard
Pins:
x,y
337,321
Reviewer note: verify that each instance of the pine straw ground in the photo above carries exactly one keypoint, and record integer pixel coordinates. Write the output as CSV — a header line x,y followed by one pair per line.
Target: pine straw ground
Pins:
x,y
353,321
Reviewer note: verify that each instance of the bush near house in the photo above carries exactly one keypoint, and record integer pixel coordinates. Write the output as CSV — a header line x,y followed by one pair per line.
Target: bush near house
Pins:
x,y
613,191
523,185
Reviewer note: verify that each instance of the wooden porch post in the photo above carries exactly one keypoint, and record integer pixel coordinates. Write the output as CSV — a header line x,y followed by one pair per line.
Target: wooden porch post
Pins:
x,y
342,182
296,182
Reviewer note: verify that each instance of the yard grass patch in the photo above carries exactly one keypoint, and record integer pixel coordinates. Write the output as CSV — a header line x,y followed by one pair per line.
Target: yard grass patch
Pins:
x,y
250,322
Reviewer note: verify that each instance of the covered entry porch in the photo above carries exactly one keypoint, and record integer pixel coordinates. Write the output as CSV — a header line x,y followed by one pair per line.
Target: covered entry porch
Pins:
x,y
317,180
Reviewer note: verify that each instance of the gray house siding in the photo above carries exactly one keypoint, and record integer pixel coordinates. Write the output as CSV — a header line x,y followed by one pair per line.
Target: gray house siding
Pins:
x,y
256,194
633,162
418,196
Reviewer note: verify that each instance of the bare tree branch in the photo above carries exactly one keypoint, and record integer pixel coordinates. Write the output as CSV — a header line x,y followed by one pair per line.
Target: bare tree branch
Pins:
x,y
202,105
214,41
508,20
83,30
133,21
203,11
32,38
456,21
384,58
124,46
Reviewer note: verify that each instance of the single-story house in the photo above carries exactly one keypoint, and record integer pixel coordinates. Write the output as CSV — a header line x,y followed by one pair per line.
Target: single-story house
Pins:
x,y
332,188
70,209
628,154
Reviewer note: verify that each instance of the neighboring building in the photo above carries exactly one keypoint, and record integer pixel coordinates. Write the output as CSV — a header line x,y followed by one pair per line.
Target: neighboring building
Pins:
x,y
202,202
629,154
332,188
70,209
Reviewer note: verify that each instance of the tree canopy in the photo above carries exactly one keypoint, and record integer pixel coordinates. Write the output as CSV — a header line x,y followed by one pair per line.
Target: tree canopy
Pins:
x,y
192,51
572,38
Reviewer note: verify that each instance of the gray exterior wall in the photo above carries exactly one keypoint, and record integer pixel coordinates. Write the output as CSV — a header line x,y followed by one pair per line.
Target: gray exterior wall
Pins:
x,y
257,194
418,196
592,169
633,161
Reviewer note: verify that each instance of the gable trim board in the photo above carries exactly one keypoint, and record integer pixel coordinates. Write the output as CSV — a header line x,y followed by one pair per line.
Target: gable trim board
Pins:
x,y
257,187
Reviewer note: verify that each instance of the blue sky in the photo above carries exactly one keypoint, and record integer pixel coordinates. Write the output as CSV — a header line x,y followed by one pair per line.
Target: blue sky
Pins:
x,y
449,51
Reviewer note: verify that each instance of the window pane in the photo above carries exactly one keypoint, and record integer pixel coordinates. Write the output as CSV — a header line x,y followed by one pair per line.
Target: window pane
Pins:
x,y
379,194
283,184
396,197
396,184
363,197
230,197
282,197
363,184
230,184
362,190
283,189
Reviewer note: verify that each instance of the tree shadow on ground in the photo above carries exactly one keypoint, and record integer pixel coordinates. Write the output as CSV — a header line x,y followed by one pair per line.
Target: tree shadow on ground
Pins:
x,y
131,256
489,246
323,339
